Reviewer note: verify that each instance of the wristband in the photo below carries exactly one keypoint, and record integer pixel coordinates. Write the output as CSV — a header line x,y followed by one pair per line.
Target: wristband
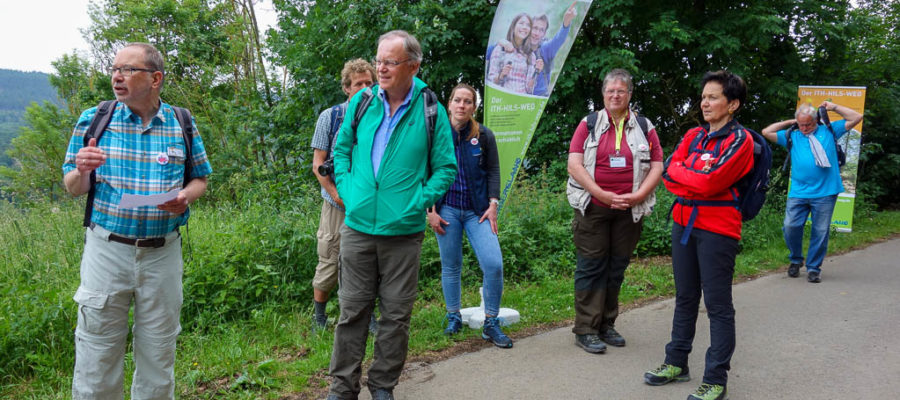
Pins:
x,y
495,201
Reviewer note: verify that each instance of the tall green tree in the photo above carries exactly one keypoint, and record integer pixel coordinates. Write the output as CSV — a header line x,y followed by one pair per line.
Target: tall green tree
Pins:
x,y
214,66
39,151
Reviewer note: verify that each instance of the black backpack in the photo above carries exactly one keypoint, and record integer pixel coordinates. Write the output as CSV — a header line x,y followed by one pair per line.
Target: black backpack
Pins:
x,y
430,105
98,125
822,119
752,188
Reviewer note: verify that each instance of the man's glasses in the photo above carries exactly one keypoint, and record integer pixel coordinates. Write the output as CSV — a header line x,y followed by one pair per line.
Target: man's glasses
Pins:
x,y
620,92
128,71
388,63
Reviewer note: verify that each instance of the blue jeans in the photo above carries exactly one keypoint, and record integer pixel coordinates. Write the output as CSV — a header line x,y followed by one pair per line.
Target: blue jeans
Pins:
x,y
487,249
795,215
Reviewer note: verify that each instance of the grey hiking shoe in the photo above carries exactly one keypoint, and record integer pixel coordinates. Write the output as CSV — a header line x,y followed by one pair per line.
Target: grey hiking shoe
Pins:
x,y
591,343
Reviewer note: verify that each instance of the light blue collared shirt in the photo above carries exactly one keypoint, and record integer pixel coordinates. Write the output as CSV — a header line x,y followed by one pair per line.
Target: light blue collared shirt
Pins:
x,y
383,134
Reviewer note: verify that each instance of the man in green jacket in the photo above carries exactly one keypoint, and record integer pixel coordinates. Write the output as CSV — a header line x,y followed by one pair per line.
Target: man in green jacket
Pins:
x,y
383,178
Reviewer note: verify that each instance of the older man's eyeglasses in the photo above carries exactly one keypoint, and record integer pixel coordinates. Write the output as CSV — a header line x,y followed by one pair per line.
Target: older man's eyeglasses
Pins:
x,y
388,63
128,71
620,92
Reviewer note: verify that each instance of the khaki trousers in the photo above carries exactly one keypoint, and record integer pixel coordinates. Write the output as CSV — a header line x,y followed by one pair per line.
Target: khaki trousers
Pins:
x,y
329,247
112,275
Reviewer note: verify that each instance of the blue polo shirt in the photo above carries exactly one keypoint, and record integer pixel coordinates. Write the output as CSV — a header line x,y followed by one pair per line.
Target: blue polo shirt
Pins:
x,y
383,134
807,180
138,161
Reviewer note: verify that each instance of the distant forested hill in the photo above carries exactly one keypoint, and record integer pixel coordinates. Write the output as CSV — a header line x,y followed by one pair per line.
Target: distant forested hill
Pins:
x,y
17,90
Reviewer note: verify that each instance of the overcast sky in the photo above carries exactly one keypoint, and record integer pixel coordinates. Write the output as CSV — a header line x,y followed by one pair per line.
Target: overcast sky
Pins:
x,y
35,32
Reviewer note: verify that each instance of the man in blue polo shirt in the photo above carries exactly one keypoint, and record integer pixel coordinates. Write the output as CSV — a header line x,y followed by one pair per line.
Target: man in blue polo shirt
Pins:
x,y
132,254
815,181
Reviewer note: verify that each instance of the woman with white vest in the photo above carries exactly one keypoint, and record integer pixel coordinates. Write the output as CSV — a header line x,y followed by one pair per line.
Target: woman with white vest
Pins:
x,y
615,163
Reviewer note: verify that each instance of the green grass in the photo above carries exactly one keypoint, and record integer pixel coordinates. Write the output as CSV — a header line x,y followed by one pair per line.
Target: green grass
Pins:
x,y
246,317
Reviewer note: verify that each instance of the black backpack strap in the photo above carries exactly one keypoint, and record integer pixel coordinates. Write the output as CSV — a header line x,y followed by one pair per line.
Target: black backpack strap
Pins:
x,y
824,120
643,123
592,123
430,121
183,115
99,123
361,107
790,143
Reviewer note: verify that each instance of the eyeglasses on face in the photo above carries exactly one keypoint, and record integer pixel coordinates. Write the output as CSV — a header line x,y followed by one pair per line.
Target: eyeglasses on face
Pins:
x,y
388,63
620,92
128,70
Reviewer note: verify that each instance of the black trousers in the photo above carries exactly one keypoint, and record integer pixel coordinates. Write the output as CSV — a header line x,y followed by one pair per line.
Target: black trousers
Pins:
x,y
705,265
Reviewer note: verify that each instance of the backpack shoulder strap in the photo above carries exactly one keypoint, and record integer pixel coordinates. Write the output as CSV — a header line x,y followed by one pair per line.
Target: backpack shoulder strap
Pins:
x,y
183,115
360,110
643,123
430,105
788,137
337,118
592,123
98,125
361,107
823,118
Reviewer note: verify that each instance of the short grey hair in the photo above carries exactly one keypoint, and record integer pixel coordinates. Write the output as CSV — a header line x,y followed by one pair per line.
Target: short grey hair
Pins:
x,y
806,109
152,56
618,74
410,44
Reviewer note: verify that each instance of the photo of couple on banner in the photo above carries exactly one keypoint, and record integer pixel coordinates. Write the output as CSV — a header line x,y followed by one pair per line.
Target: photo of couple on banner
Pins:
x,y
520,55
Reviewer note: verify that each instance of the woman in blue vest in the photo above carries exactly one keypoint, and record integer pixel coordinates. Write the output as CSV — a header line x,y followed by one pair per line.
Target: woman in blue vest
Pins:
x,y
471,206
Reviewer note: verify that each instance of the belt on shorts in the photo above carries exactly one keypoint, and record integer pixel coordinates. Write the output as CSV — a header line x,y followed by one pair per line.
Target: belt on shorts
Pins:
x,y
155,243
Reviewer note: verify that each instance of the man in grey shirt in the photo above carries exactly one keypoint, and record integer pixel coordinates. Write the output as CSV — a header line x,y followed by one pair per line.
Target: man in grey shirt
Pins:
x,y
357,74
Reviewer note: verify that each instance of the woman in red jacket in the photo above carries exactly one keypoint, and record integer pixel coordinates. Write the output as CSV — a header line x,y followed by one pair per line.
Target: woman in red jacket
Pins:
x,y
702,173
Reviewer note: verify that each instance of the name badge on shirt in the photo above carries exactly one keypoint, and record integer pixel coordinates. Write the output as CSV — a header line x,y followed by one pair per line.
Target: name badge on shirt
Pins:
x,y
175,152
616,161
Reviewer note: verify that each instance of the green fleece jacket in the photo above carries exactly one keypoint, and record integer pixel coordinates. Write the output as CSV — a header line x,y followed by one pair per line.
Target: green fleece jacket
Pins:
x,y
394,202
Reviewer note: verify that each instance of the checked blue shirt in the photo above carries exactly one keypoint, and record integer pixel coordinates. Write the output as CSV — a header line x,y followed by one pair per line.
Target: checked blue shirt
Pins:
x,y
138,161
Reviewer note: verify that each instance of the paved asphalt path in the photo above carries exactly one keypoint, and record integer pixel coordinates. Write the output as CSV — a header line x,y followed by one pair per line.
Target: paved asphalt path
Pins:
x,y
795,340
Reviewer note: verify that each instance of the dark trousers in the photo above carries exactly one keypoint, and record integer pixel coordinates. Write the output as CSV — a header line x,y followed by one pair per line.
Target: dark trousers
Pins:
x,y
705,264
386,267
604,240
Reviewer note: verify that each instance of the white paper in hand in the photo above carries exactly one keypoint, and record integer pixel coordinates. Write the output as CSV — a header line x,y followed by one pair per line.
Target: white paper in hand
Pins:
x,y
138,200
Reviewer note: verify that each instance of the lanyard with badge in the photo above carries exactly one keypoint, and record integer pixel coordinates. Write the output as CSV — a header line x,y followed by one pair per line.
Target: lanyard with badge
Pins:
x,y
617,160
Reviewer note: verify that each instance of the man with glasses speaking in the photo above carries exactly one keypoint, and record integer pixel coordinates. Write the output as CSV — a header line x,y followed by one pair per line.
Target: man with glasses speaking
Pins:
x,y
393,159
141,162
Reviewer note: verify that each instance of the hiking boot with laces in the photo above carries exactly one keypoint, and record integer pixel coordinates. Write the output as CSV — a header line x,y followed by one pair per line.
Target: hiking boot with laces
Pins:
x,y
454,323
591,343
666,373
492,333
612,338
708,391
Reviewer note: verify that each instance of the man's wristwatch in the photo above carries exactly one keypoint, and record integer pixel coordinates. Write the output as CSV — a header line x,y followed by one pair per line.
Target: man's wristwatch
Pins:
x,y
495,201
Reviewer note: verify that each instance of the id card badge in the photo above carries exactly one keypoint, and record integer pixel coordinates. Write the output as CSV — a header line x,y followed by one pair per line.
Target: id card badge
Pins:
x,y
616,161
173,151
